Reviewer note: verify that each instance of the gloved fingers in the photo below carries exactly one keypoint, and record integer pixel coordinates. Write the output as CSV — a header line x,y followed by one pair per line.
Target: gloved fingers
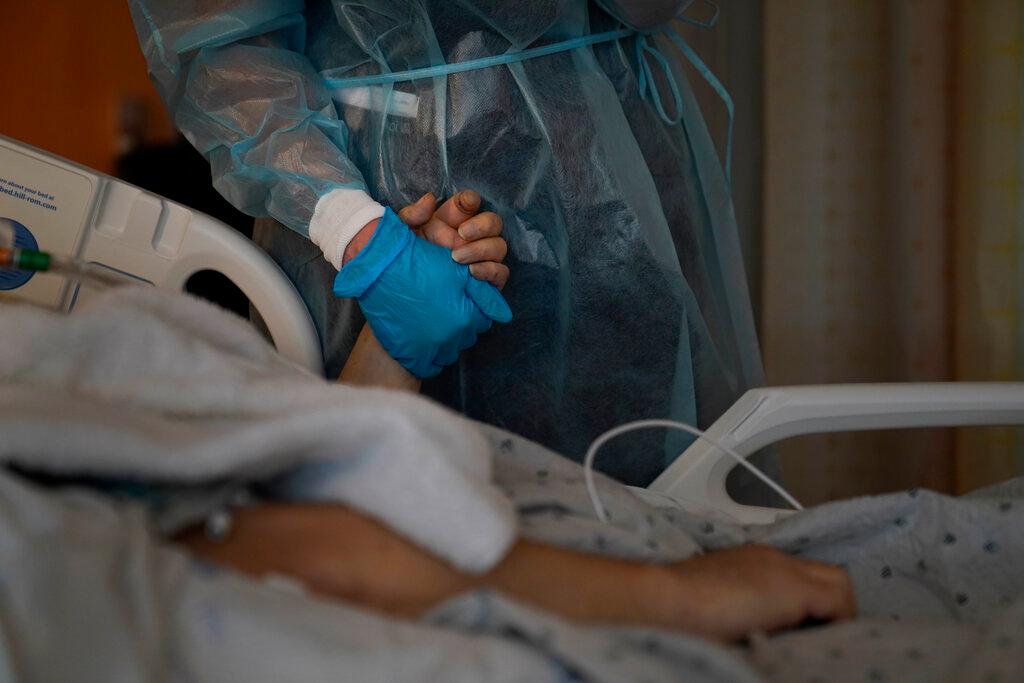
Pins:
x,y
470,334
481,323
419,212
486,249
450,354
490,301
486,224
459,207
489,271
428,370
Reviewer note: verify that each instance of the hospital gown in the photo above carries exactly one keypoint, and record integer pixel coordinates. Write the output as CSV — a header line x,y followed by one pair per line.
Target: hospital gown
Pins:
x,y
938,580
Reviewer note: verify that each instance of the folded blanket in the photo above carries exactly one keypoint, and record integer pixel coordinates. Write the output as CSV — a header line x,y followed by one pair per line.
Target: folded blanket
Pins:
x,y
154,387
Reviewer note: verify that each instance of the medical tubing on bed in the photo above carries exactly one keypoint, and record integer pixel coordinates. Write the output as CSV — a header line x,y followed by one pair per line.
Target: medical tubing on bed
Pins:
x,y
595,446
24,259
44,262
645,50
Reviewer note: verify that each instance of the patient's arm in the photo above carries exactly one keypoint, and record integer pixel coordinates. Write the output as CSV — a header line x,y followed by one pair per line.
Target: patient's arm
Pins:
x,y
369,365
341,554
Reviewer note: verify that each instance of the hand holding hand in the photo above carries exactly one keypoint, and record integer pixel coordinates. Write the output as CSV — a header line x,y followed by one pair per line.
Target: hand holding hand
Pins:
x,y
423,306
475,239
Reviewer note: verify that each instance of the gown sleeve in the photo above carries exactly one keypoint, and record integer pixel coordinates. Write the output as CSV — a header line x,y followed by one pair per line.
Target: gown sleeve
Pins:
x,y
234,76
644,13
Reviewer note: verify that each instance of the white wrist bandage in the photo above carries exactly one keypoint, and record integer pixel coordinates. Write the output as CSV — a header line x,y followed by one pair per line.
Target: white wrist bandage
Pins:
x,y
339,216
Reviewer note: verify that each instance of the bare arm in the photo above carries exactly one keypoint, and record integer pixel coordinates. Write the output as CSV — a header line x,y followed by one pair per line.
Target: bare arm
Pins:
x,y
341,554
369,365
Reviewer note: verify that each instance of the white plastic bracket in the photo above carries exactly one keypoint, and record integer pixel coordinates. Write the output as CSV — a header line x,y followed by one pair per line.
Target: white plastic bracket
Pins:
x,y
762,417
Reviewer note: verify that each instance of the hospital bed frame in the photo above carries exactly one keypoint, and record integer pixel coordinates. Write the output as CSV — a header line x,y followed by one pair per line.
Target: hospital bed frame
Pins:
x,y
69,209
163,243
762,417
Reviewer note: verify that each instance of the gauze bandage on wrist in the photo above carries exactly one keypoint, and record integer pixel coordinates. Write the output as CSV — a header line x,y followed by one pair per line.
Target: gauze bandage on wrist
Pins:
x,y
339,216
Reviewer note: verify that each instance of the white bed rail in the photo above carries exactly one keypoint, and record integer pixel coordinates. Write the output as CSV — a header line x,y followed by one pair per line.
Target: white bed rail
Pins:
x,y
72,210
762,417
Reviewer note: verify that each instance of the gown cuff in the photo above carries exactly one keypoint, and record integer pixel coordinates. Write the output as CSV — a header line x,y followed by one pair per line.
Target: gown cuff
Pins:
x,y
339,216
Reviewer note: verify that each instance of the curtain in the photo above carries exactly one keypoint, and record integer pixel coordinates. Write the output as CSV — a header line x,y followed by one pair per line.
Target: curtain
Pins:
x,y
857,225
894,224
988,245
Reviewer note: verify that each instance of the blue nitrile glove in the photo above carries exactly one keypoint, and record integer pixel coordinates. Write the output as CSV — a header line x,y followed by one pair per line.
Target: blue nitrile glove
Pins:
x,y
424,308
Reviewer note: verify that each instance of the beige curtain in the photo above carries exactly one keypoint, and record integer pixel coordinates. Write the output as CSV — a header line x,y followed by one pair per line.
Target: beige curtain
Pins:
x,y
891,253
988,245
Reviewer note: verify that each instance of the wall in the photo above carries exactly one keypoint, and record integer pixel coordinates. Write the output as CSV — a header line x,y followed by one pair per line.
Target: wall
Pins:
x,y
67,68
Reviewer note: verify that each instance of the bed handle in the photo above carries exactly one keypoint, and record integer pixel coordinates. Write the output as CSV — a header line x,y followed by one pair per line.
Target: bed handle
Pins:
x,y
762,417
210,245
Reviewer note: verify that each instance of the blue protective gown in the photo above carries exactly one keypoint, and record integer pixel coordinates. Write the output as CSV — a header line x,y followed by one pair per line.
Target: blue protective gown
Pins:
x,y
627,286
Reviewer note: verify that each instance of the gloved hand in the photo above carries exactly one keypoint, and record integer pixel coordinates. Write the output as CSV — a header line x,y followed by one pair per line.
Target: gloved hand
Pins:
x,y
423,307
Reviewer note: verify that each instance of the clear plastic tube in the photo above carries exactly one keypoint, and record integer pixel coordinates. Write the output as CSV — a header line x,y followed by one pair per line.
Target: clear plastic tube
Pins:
x,y
88,272
14,258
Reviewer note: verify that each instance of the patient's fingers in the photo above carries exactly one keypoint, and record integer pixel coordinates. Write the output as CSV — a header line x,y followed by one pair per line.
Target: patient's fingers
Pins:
x,y
419,212
441,228
832,602
487,249
459,207
440,233
826,573
489,271
487,224
834,597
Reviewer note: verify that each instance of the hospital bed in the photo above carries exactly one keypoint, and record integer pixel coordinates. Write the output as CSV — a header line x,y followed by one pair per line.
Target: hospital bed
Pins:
x,y
67,208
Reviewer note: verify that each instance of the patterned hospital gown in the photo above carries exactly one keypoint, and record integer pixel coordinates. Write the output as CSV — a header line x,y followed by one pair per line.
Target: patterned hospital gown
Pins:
x,y
938,582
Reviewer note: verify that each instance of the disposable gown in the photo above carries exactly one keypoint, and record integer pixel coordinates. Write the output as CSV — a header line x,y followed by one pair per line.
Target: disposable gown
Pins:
x,y
627,285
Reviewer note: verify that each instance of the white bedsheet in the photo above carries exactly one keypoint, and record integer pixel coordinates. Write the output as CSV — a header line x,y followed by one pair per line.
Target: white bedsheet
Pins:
x,y
171,389
88,595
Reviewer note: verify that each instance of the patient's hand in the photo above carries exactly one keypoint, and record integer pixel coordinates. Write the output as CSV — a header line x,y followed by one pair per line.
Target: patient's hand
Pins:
x,y
475,239
727,594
